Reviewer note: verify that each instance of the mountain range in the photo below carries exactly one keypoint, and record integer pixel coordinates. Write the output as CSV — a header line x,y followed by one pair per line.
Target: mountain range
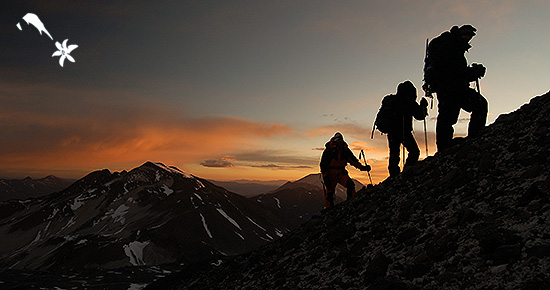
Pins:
x,y
151,215
135,227
29,188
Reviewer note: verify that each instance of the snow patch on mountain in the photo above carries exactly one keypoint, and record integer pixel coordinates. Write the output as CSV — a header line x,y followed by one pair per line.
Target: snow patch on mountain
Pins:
x,y
240,236
134,251
167,190
200,184
232,221
118,214
198,196
173,170
278,202
69,224
77,203
54,213
252,221
206,226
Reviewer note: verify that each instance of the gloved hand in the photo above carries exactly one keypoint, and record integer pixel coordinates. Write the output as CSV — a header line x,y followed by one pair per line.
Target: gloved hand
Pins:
x,y
365,168
479,70
424,103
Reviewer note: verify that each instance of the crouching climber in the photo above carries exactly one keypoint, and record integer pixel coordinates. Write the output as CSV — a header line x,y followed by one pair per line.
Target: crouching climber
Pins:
x,y
333,168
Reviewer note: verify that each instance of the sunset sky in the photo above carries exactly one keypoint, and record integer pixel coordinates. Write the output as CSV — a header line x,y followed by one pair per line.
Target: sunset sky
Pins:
x,y
238,89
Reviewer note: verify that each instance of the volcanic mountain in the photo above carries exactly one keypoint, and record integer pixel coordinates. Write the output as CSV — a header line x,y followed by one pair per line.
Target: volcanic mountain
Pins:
x,y
476,216
297,201
151,215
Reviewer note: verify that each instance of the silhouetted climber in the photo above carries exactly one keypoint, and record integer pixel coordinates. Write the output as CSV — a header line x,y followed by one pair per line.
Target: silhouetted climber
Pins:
x,y
446,72
395,119
333,168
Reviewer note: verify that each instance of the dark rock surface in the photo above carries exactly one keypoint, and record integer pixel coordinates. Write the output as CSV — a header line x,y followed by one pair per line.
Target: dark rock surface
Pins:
x,y
476,216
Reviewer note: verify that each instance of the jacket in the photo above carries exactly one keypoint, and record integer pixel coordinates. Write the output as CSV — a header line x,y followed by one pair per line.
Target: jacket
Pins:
x,y
447,52
404,109
336,156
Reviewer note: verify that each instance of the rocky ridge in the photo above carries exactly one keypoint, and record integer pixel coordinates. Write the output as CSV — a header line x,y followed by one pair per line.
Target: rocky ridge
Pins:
x,y
476,216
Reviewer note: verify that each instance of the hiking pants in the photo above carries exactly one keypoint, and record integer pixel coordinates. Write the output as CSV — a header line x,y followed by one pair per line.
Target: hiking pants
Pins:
x,y
394,143
332,178
450,103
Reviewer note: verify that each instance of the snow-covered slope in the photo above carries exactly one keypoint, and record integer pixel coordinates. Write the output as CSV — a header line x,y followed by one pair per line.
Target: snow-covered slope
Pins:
x,y
153,214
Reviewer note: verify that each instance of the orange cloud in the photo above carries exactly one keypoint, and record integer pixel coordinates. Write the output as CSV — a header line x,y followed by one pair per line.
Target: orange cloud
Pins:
x,y
90,142
50,133
359,145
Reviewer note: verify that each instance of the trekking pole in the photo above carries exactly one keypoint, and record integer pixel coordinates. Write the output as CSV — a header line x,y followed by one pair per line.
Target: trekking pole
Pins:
x,y
324,188
425,137
365,158
402,141
373,128
426,132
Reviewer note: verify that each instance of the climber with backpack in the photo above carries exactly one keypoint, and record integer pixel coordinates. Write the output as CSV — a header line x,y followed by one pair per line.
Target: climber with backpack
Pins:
x,y
446,73
395,119
333,168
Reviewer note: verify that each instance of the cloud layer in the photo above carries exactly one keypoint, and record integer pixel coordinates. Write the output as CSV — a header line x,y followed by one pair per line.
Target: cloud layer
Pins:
x,y
58,133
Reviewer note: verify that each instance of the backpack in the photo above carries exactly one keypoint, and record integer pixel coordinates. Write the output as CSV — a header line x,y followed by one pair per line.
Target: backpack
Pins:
x,y
387,114
432,50
429,74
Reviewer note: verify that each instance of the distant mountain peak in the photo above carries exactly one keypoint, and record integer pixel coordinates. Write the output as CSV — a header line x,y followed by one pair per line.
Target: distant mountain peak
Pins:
x,y
169,169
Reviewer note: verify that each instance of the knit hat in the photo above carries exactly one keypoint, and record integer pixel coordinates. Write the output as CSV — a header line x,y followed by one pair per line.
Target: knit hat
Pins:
x,y
468,29
406,88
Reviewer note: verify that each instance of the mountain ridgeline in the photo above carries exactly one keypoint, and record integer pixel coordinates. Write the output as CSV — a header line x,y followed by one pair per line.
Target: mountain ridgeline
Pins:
x,y
476,216
151,215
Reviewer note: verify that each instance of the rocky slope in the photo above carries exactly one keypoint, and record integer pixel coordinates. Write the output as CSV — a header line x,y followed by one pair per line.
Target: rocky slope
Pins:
x,y
474,217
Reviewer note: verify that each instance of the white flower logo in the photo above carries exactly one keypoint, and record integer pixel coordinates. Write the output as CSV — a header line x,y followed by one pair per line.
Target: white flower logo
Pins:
x,y
64,51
